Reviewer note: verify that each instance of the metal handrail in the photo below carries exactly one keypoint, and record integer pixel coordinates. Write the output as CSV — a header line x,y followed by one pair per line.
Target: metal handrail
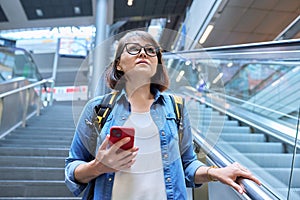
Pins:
x,y
250,103
25,88
266,129
221,160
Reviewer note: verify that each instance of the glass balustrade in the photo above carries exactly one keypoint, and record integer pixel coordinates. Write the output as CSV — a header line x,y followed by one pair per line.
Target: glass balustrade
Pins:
x,y
256,88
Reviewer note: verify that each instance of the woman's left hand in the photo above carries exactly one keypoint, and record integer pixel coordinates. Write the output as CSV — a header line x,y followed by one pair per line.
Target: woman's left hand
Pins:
x,y
232,176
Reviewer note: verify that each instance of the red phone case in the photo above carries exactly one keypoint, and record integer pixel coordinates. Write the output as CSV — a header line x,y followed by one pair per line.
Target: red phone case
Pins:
x,y
119,132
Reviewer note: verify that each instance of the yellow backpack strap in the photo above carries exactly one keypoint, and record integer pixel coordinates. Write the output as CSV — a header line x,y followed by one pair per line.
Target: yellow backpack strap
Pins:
x,y
178,104
178,109
104,108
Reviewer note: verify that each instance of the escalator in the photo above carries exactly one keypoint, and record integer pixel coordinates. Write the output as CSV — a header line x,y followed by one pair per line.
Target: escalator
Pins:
x,y
267,158
244,100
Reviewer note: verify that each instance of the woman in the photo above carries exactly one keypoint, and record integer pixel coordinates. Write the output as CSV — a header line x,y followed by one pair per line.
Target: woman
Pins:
x,y
154,168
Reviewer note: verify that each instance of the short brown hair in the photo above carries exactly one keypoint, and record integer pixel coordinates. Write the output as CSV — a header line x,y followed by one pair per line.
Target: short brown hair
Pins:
x,y
160,80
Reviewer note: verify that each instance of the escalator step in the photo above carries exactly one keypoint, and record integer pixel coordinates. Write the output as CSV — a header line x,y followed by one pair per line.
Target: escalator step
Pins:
x,y
232,137
253,147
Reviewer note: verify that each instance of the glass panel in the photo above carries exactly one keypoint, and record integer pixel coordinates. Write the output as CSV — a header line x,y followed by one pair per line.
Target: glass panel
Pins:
x,y
16,62
249,106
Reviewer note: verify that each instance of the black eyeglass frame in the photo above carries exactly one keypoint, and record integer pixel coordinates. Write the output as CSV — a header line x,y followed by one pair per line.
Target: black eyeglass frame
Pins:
x,y
142,47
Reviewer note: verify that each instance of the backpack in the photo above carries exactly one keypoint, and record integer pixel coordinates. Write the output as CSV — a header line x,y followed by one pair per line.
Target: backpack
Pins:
x,y
105,107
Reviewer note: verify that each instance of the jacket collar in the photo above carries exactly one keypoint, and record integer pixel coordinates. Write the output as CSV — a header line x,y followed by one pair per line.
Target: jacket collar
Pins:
x,y
158,96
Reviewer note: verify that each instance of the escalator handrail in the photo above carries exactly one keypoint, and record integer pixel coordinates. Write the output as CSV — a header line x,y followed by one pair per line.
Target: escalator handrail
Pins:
x,y
222,160
283,45
244,66
252,104
281,134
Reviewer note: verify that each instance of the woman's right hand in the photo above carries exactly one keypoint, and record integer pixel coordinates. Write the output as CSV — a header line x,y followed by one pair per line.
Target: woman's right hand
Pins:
x,y
113,158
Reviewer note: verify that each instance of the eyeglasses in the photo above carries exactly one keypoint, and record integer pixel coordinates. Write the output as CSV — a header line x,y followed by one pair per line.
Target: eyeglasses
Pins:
x,y
135,48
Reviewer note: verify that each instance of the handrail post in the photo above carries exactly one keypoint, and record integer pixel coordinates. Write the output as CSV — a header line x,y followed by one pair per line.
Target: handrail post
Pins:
x,y
51,92
1,111
39,101
25,109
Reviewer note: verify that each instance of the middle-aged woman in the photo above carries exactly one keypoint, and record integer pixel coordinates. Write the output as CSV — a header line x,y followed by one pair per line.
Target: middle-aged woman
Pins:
x,y
155,168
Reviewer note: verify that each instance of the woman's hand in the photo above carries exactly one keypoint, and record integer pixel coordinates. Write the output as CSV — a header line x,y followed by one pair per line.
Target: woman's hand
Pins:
x,y
232,174
108,159
112,158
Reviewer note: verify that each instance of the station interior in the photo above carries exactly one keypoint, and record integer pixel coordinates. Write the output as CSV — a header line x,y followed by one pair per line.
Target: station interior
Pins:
x,y
235,62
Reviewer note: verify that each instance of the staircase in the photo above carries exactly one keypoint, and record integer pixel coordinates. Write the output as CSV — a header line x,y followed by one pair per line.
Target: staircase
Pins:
x,y
267,158
32,159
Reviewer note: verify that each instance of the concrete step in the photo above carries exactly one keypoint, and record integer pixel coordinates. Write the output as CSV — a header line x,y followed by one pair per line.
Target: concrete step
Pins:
x,y
29,151
32,161
31,173
32,158
54,131
35,141
51,123
48,128
36,145
39,137
26,188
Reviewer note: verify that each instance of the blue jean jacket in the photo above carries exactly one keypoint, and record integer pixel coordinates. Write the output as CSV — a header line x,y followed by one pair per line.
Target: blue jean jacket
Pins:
x,y
179,167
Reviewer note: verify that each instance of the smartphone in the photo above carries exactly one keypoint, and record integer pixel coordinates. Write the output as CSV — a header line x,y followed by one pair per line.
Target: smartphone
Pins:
x,y
119,132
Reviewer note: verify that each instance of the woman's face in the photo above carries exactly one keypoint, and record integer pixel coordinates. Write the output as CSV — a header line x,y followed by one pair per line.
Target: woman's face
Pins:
x,y
140,65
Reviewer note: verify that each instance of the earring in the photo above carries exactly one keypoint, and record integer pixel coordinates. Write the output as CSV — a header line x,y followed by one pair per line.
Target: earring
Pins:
x,y
119,68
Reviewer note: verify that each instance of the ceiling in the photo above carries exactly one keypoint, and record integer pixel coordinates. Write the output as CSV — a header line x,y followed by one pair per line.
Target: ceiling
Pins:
x,y
247,21
19,14
235,22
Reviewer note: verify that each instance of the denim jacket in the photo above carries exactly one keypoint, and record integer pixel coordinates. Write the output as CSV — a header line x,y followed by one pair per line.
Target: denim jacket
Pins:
x,y
179,167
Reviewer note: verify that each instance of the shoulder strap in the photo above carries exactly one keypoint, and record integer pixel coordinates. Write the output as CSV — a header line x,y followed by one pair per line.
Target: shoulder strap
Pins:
x,y
104,108
178,107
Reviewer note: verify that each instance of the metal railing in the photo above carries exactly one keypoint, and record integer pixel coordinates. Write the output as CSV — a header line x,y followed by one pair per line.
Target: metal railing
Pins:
x,y
25,94
219,158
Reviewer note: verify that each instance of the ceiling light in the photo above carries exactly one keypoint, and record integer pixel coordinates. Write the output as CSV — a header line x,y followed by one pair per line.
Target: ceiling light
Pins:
x,y
39,12
130,2
180,75
169,19
218,78
188,62
230,64
77,10
206,34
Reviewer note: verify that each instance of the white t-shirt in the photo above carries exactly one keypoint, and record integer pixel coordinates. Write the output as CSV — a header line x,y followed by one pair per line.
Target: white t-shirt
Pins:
x,y
145,179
